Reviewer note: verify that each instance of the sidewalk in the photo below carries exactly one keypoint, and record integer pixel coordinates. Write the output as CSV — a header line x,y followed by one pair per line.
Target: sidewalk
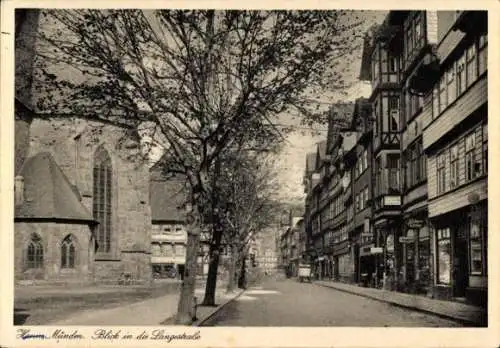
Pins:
x,y
467,314
24,293
151,312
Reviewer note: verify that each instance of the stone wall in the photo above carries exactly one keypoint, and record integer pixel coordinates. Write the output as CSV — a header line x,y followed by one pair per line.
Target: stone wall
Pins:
x,y
73,142
52,234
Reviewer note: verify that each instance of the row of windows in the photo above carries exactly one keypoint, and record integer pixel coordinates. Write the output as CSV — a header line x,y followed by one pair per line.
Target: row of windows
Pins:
x,y
389,102
342,236
336,206
416,165
361,164
361,199
34,254
414,36
168,249
460,75
475,160
387,179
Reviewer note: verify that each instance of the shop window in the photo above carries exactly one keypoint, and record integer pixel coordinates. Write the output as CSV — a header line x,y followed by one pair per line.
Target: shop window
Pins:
x,y
476,251
444,255
454,168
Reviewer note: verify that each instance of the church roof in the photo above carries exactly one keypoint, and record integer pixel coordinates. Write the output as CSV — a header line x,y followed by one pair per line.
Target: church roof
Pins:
x,y
167,192
167,197
48,194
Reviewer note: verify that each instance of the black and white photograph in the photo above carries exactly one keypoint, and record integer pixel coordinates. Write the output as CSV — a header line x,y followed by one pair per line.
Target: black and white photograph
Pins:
x,y
197,168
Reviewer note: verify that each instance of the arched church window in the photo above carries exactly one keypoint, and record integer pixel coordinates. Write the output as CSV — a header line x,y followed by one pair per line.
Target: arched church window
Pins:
x,y
34,252
102,176
68,252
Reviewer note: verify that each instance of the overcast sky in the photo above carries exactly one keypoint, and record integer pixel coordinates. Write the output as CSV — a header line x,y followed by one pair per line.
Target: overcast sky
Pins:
x,y
293,158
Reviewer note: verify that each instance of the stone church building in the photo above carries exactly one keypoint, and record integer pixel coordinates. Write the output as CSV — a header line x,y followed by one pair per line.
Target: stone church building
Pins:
x,y
82,211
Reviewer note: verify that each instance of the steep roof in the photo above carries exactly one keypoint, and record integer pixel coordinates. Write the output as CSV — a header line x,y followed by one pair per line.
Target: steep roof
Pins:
x,y
340,118
167,197
48,194
321,153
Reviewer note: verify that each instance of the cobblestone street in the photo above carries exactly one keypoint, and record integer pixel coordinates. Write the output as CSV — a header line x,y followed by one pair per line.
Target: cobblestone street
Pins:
x,y
290,303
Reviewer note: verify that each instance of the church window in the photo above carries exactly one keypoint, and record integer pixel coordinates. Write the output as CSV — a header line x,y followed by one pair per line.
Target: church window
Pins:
x,y
34,252
68,252
102,198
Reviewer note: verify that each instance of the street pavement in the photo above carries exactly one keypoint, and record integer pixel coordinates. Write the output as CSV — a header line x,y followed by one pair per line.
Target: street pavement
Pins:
x,y
290,303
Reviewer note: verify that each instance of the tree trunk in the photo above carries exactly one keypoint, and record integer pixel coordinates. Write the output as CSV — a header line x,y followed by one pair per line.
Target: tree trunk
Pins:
x,y
185,313
211,285
232,271
185,309
242,276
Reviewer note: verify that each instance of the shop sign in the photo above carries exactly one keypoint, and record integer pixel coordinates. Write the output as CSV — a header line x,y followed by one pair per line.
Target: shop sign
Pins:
x,y
414,223
376,250
406,239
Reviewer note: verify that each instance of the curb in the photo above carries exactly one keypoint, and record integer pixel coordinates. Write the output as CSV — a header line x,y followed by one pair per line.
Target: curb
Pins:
x,y
201,321
465,322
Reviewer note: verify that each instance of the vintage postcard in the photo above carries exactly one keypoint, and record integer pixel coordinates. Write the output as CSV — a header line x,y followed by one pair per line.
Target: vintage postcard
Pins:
x,y
238,175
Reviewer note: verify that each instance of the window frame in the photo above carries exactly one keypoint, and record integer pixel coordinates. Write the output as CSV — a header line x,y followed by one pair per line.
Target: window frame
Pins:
x,y
454,167
68,253
480,237
102,204
444,235
469,153
34,253
441,173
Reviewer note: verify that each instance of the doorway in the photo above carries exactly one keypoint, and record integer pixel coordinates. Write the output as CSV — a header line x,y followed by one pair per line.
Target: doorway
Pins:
x,y
460,266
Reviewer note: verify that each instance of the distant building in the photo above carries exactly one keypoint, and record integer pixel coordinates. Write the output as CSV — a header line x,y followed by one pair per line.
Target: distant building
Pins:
x,y
168,236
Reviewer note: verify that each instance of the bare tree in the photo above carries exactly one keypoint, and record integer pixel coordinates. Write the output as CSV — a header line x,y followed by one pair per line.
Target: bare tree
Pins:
x,y
194,81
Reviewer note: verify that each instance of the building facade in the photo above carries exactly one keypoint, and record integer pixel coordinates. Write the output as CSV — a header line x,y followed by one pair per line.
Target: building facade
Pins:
x,y
455,139
82,212
168,236
415,182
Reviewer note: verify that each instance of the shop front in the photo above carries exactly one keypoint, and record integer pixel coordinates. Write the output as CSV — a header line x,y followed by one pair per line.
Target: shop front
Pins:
x,y
460,239
342,262
367,265
416,247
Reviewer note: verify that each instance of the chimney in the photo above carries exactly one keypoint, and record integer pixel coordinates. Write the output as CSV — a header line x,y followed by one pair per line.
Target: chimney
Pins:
x,y
18,190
